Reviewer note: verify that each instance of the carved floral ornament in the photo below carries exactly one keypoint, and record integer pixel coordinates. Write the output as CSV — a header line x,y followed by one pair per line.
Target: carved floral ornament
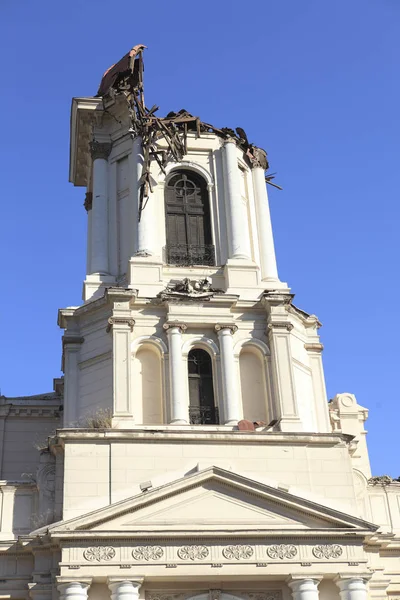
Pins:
x,y
327,551
193,552
282,551
238,552
99,553
147,553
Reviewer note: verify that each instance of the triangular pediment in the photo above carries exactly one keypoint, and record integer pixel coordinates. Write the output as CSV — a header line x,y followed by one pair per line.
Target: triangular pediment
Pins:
x,y
209,501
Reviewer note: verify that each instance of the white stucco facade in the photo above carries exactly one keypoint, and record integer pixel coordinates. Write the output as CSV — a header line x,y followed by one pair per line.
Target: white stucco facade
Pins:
x,y
127,495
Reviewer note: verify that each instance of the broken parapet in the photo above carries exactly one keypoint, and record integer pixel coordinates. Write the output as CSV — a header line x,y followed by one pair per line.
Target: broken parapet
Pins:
x,y
348,417
125,79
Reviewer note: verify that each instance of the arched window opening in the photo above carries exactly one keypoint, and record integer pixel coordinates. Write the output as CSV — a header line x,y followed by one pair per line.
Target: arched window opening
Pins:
x,y
189,240
202,409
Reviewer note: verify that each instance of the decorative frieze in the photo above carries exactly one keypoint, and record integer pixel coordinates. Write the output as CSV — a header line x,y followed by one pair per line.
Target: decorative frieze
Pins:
x,y
327,551
147,553
99,553
282,551
193,552
238,552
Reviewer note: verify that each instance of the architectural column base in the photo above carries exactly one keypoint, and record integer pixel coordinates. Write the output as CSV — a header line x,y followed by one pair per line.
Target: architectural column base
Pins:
x,y
95,285
146,274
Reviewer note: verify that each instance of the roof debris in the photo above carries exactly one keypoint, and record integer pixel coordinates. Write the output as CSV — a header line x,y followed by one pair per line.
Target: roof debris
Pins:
x,y
126,77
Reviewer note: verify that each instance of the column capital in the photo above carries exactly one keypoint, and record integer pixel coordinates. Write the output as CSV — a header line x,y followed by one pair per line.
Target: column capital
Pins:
x,y
172,324
100,149
229,140
259,159
88,201
220,327
345,580
136,581
280,325
297,580
120,321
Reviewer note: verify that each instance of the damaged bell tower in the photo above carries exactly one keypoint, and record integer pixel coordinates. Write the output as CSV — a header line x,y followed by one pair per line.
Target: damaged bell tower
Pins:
x,y
183,302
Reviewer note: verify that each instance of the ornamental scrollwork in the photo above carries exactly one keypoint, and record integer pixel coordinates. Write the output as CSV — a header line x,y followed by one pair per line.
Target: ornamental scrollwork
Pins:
x,y
147,553
193,552
99,553
237,552
270,595
327,551
282,551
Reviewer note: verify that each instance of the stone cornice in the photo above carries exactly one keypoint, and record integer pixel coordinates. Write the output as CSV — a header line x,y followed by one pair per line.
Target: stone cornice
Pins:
x,y
82,114
72,339
315,347
221,434
276,298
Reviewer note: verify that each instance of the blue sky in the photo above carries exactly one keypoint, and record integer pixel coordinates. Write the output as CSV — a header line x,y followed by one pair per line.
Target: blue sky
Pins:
x,y
315,83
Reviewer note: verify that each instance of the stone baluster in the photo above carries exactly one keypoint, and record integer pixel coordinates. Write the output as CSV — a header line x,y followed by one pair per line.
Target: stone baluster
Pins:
x,y
304,588
353,587
124,589
73,589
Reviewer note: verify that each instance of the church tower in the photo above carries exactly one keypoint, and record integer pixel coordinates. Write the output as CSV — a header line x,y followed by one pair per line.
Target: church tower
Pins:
x,y
191,451
185,319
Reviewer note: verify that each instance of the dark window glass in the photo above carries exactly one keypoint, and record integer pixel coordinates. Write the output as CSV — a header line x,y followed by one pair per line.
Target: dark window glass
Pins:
x,y
188,220
202,409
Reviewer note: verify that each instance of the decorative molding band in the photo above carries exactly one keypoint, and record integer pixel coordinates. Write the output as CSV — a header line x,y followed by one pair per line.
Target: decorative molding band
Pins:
x,y
220,326
100,149
120,321
72,339
88,201
282,551
327,551
215,595
171,324
314,347
99,553
28,411
147,553
193,552
238,552
280,325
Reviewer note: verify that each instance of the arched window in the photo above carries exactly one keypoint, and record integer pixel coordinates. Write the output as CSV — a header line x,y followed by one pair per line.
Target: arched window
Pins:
x,y
188,222
202,410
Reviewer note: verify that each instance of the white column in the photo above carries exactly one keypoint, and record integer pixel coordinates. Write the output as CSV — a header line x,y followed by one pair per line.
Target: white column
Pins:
x,y
238,234
74,590
232,412
177,375
353,588
88,207
269,270
144,219
304,589
99,254
124,589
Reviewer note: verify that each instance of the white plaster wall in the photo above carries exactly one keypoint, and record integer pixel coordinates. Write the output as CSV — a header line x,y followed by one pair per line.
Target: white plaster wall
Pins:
x,y
147,386
96,472
253,386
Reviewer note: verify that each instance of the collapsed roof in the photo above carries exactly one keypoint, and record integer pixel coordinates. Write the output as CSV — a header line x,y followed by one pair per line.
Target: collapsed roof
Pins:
x,y
126,78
